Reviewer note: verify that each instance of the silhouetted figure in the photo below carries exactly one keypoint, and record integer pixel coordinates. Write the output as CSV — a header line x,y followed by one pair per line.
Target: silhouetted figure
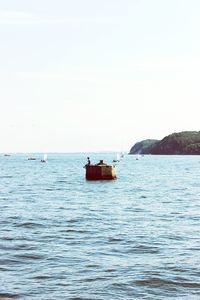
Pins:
x,y
88,161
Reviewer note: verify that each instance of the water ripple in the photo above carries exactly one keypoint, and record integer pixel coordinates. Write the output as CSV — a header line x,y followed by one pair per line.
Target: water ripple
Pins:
x,y
9,296
159,282
133,238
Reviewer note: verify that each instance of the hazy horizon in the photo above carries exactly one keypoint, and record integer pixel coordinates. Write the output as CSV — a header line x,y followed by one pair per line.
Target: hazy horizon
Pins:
x,y
88,76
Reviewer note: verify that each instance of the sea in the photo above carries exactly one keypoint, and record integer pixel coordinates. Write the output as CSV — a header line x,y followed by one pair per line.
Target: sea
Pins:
x,y
136,237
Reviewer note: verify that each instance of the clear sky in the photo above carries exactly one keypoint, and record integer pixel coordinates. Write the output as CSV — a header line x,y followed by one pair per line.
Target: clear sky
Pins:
x,y
93,75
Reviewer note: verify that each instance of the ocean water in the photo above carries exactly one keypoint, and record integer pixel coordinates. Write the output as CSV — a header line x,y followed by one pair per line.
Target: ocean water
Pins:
x,y
62,237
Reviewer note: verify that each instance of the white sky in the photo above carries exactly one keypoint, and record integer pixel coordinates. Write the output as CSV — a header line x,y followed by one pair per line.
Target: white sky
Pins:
x,y
93,75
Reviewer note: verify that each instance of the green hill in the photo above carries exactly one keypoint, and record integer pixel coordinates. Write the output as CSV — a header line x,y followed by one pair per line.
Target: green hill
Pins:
x,y
186,142
143,147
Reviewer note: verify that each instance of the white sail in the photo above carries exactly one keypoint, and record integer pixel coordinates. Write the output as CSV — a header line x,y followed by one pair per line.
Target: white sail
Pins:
x,y
45,157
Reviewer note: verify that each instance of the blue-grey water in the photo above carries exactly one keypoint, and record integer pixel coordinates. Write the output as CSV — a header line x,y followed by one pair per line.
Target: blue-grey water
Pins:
x,y
62,237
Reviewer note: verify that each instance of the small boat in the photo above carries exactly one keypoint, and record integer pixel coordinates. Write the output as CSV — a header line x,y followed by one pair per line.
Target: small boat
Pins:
x,y
31,158
122,155
44,159
138,156
7,154
117,159
100,171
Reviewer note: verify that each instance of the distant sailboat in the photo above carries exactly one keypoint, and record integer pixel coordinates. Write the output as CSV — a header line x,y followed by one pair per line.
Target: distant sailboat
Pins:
x,y
117,159
138,156
44,159
121,154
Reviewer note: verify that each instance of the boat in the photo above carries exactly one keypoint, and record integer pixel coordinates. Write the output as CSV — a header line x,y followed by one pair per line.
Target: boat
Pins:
x,y
31,158
122,155
138,156
100,171
117,159
44,159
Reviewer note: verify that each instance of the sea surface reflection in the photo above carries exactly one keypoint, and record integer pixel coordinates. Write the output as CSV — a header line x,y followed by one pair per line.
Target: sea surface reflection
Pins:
x,y
63,237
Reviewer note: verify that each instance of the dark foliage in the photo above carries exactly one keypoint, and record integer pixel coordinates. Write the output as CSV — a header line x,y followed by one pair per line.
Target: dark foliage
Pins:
x,y
186,142
143,147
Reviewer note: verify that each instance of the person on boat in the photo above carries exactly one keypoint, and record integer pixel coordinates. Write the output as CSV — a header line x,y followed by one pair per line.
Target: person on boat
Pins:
x,y
88,161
